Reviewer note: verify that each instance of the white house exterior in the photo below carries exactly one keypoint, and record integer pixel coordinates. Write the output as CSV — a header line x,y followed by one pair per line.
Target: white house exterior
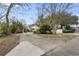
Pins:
x,y
76,27
35,28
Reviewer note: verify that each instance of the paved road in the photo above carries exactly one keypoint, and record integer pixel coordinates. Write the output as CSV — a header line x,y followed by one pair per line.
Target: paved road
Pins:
x,y
70,49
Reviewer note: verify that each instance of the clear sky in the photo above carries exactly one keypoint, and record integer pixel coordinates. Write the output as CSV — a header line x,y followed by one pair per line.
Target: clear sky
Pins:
x,y
29,15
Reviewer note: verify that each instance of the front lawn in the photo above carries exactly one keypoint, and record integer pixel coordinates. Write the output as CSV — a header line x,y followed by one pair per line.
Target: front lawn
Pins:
x,y
63,37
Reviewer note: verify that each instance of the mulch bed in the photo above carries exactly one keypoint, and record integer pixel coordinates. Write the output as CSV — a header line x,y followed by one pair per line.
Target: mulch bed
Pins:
x,y
8,43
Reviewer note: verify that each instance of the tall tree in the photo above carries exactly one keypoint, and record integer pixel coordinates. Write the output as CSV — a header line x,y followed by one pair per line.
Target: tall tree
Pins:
x,y
8,12
41,13
68,19
55,9
7,19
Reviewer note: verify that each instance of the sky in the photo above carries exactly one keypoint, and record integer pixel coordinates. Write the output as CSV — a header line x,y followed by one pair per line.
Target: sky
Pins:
x,y
28,15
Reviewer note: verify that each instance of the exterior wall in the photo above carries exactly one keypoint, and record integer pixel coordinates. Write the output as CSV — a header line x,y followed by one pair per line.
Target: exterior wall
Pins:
x,y
59,31
35,28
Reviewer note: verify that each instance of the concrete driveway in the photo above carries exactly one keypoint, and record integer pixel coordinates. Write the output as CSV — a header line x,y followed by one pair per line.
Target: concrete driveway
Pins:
x,y
25,48
36,45
33,45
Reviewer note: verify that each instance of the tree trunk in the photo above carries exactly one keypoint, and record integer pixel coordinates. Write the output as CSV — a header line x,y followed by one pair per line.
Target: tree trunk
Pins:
x,y
7,19
55,29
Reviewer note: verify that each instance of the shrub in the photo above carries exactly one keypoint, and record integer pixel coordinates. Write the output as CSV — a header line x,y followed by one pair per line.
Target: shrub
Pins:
x,y
3,29
68,27
13,28
68,31
16,27
25,30
37,32
45,29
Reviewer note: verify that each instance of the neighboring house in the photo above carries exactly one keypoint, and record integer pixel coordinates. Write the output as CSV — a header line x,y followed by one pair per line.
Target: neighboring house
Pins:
x,y
34,28
76,27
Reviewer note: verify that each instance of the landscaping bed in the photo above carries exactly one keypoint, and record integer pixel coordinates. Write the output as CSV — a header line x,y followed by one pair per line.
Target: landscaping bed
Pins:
x,y
7,43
